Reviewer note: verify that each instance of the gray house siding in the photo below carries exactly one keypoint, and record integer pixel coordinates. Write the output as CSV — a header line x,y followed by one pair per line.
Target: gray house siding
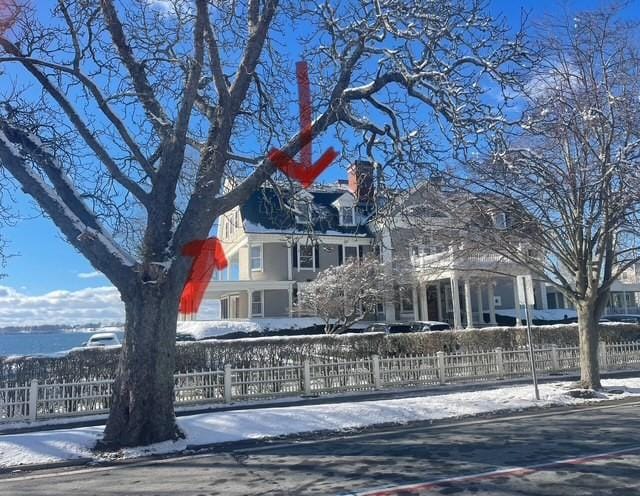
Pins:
x,y
276,303
274,263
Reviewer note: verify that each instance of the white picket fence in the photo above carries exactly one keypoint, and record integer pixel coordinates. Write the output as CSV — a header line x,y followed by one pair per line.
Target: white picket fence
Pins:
x,y
37,401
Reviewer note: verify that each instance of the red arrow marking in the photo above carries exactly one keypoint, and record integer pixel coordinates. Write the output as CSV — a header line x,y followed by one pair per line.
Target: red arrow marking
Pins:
x,y
208,255
304,171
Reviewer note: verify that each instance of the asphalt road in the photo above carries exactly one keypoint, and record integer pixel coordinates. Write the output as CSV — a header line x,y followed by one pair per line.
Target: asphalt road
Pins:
x,y
537,453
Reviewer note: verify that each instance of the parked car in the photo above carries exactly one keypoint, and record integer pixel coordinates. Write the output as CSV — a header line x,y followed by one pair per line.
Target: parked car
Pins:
x,y
405,327
433,325
102,339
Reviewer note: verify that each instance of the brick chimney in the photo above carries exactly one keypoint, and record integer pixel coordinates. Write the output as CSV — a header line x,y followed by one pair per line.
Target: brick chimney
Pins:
x,y
361,182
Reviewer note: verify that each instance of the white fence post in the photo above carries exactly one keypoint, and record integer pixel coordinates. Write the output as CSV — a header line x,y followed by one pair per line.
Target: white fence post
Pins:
x,y
33,400
375,362
602,355
306,376
227,383
555,358
441,369
499,363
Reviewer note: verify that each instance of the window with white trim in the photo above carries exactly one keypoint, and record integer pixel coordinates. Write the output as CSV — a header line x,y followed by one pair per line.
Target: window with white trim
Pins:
x,y
306,257
256,258
500,220
257,303
303,212
347,216
350,252
406,299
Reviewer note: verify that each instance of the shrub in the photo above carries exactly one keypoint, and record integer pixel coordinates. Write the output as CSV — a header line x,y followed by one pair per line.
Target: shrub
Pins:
x,y
92,364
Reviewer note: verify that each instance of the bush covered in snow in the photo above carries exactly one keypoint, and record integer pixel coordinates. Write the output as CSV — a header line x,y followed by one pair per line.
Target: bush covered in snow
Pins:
x,y
286,350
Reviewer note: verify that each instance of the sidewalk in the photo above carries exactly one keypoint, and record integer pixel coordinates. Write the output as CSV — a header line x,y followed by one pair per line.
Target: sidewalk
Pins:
x,y
73,445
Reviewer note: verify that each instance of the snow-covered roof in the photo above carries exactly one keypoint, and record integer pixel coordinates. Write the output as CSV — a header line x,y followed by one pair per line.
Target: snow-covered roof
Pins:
x,y
269,211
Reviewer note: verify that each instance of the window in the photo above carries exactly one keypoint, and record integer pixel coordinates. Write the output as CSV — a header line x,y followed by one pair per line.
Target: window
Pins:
x,y
256,258
305,257
347,216
257,298
303,210
500,220
350,252
406,300
224,308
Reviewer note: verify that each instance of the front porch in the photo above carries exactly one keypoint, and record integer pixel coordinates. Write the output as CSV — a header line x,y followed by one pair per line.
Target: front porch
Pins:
x,y
252,299
466,291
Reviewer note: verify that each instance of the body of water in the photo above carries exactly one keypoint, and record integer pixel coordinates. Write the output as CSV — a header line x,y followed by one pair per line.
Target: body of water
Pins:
x,y
34,343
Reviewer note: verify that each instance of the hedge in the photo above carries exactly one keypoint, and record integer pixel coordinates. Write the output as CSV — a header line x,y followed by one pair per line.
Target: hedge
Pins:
x,y
91,364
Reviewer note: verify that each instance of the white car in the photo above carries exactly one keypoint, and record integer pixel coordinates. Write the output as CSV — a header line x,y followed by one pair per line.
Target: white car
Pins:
x,y
102,339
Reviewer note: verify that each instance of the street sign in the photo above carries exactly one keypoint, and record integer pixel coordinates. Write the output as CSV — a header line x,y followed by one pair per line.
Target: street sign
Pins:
x,y
525,290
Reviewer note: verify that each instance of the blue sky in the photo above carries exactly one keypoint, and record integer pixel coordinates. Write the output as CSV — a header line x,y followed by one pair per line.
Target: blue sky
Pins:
x,y
44,262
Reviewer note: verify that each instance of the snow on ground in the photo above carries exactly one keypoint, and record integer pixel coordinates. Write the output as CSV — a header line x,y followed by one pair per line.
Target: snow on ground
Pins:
x,y
218,427
202,329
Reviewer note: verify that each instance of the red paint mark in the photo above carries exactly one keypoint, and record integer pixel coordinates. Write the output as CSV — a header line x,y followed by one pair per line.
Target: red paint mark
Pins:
x,y
208,255
496,474
304,171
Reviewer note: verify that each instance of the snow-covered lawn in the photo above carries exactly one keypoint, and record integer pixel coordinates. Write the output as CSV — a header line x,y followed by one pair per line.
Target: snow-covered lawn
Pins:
x,y
202,329
219,427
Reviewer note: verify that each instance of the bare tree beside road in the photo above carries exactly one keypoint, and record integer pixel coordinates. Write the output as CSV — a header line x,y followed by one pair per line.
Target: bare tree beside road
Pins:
x,y
122,121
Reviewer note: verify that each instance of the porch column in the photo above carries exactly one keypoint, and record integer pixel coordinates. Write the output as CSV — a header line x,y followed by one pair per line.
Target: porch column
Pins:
x,y
492,304
543,296
423,301
516,302
387,258
289,261
290,300
249,305
455,301
480,305
467,303
416,303
625,307
439,301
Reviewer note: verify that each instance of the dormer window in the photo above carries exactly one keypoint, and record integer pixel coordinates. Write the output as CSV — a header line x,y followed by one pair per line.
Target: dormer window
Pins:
x,y
347,216
303,211
302,203
500,220
346,207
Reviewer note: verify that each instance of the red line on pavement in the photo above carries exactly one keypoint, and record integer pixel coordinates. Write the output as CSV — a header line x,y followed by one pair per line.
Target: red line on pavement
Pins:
x,y
510,472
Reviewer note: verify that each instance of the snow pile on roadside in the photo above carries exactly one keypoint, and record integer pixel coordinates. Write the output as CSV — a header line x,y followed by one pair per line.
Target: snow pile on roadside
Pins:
x,y
203,329
219,427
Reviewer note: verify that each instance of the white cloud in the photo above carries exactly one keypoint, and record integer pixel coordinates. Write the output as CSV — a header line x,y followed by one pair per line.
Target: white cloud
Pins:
x,y
60,307
90,275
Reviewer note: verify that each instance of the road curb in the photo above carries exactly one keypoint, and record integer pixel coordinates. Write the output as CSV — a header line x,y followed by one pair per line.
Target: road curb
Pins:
x,y
77,462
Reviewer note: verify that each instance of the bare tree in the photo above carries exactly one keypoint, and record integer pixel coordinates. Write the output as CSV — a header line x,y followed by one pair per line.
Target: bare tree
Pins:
x,y
344,295
134,117
559,196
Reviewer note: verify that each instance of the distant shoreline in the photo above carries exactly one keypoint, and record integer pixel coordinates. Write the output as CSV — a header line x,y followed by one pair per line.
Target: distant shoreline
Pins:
x,y
50,328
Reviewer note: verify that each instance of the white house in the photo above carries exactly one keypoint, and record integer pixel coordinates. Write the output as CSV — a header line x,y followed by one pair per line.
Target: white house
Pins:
x,y
280,239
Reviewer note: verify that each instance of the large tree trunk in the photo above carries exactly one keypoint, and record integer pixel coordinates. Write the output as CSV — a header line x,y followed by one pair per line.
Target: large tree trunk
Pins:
x,y
588,331
143,399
